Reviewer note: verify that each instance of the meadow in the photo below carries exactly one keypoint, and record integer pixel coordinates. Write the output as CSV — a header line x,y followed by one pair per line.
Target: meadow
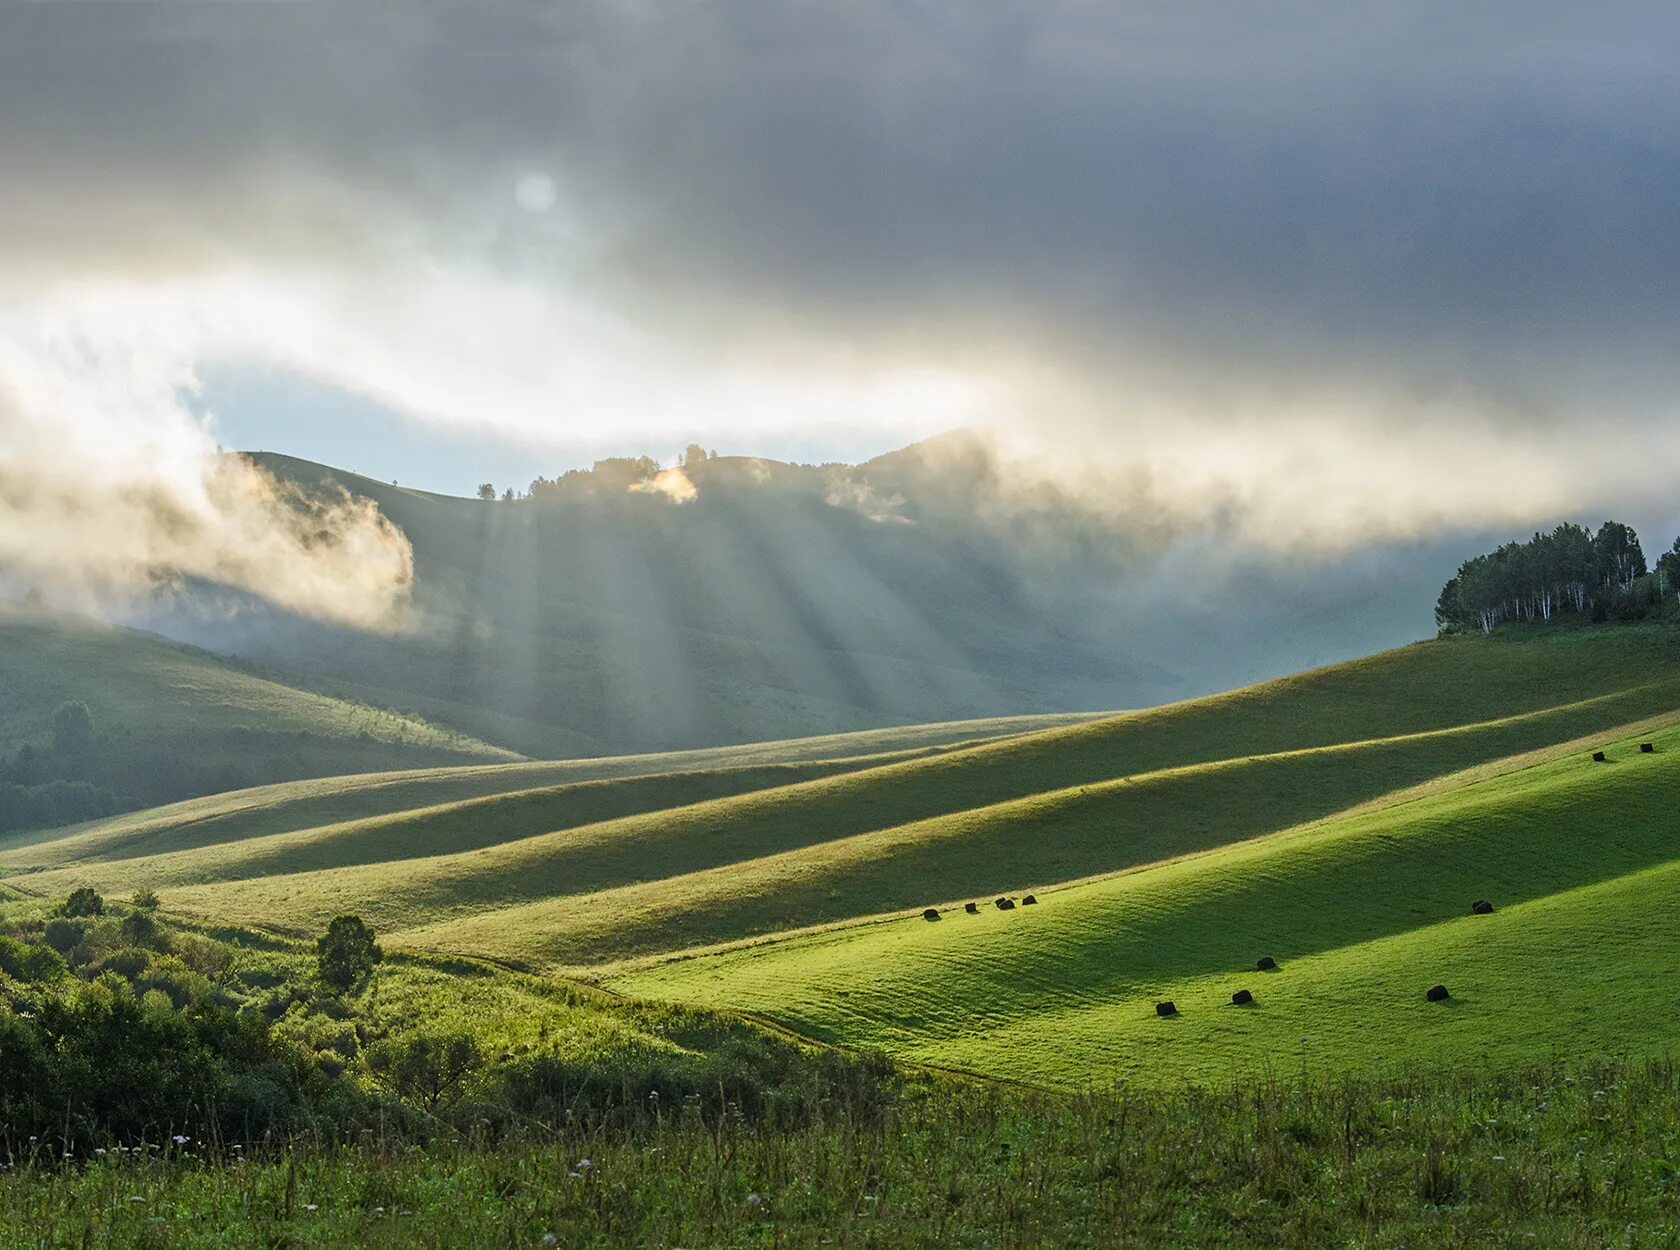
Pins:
x,y
587,877
709,973
1564,1158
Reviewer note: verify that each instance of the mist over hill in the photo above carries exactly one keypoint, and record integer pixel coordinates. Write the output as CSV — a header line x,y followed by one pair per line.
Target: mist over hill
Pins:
x,y
733,599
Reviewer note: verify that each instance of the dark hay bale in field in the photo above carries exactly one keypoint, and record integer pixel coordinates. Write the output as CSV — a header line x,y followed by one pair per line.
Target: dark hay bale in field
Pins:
x,y
1437,994
1645,748
972,909
1166,1009
1266,964
1242,998
1029,901
931,913
1598,757
1481,907
1006,904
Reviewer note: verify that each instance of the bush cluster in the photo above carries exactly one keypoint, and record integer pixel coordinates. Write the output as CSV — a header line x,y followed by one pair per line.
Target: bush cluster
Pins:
x,y
118,1025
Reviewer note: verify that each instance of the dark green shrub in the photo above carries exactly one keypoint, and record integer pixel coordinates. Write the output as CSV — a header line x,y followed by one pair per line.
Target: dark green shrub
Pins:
x,y
140,928
64,934
127,964
84,901
346,953
425,1069
28,962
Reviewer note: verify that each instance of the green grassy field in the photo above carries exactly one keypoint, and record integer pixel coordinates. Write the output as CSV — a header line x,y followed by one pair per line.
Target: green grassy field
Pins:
x,y
428,795
1575,1159
1363,914
1341,820
170,720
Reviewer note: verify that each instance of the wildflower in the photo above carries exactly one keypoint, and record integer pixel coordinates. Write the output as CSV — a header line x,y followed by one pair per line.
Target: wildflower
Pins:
x,y
753,1200
179,1140
584,1165
549,1239
309,1206
99,1150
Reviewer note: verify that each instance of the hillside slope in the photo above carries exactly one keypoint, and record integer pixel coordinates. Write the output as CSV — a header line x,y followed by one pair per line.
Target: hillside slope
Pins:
x,y
168,720
1363,913
582,878
552,793
601,615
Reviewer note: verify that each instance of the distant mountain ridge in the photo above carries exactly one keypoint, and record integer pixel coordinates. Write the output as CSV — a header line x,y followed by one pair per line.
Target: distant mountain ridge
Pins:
x,y
736,599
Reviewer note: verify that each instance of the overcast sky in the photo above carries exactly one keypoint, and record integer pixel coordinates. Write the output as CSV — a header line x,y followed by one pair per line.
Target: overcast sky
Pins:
x,y
1361,271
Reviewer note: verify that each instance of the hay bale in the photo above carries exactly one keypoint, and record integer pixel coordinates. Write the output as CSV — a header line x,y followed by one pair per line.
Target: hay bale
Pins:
x,y
1029,901
1242,998
931,913
1598,757
972,909
1166,1009
1481,907
1266,963
1645,748
1437,994
1006,904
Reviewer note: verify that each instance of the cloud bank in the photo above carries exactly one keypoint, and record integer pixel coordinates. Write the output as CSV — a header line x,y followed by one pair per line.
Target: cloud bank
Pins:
x,y
110,490
1320,277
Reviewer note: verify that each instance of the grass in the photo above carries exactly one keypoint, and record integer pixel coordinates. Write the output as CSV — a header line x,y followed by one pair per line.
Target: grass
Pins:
x,y
1363,912
171,720
1329,819
286,807
1564,1158
1015,814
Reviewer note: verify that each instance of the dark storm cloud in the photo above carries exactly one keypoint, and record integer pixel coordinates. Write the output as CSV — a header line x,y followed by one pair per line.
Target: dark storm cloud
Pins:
x,y
1425,196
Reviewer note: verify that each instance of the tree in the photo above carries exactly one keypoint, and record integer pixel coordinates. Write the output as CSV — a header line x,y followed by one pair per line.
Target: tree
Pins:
x,y
72,729
1620,559
1448,610
487,492
346,953
425,1069
507,495
84,901
1668,569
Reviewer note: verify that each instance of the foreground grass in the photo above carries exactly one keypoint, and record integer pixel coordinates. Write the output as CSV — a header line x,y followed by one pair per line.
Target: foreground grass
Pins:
x,y
1557,1158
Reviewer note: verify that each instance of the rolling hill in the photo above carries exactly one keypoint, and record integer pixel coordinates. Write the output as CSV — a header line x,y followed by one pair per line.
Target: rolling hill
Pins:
x,y
1341,820
1362,913
168,720
588,865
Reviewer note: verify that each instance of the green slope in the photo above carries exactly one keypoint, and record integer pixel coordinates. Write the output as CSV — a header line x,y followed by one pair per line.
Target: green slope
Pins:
x,y
334,803
1363,912
1015,814
170,720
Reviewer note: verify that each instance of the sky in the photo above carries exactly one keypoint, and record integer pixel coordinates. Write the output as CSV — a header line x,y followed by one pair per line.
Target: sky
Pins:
x,y
1346,274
